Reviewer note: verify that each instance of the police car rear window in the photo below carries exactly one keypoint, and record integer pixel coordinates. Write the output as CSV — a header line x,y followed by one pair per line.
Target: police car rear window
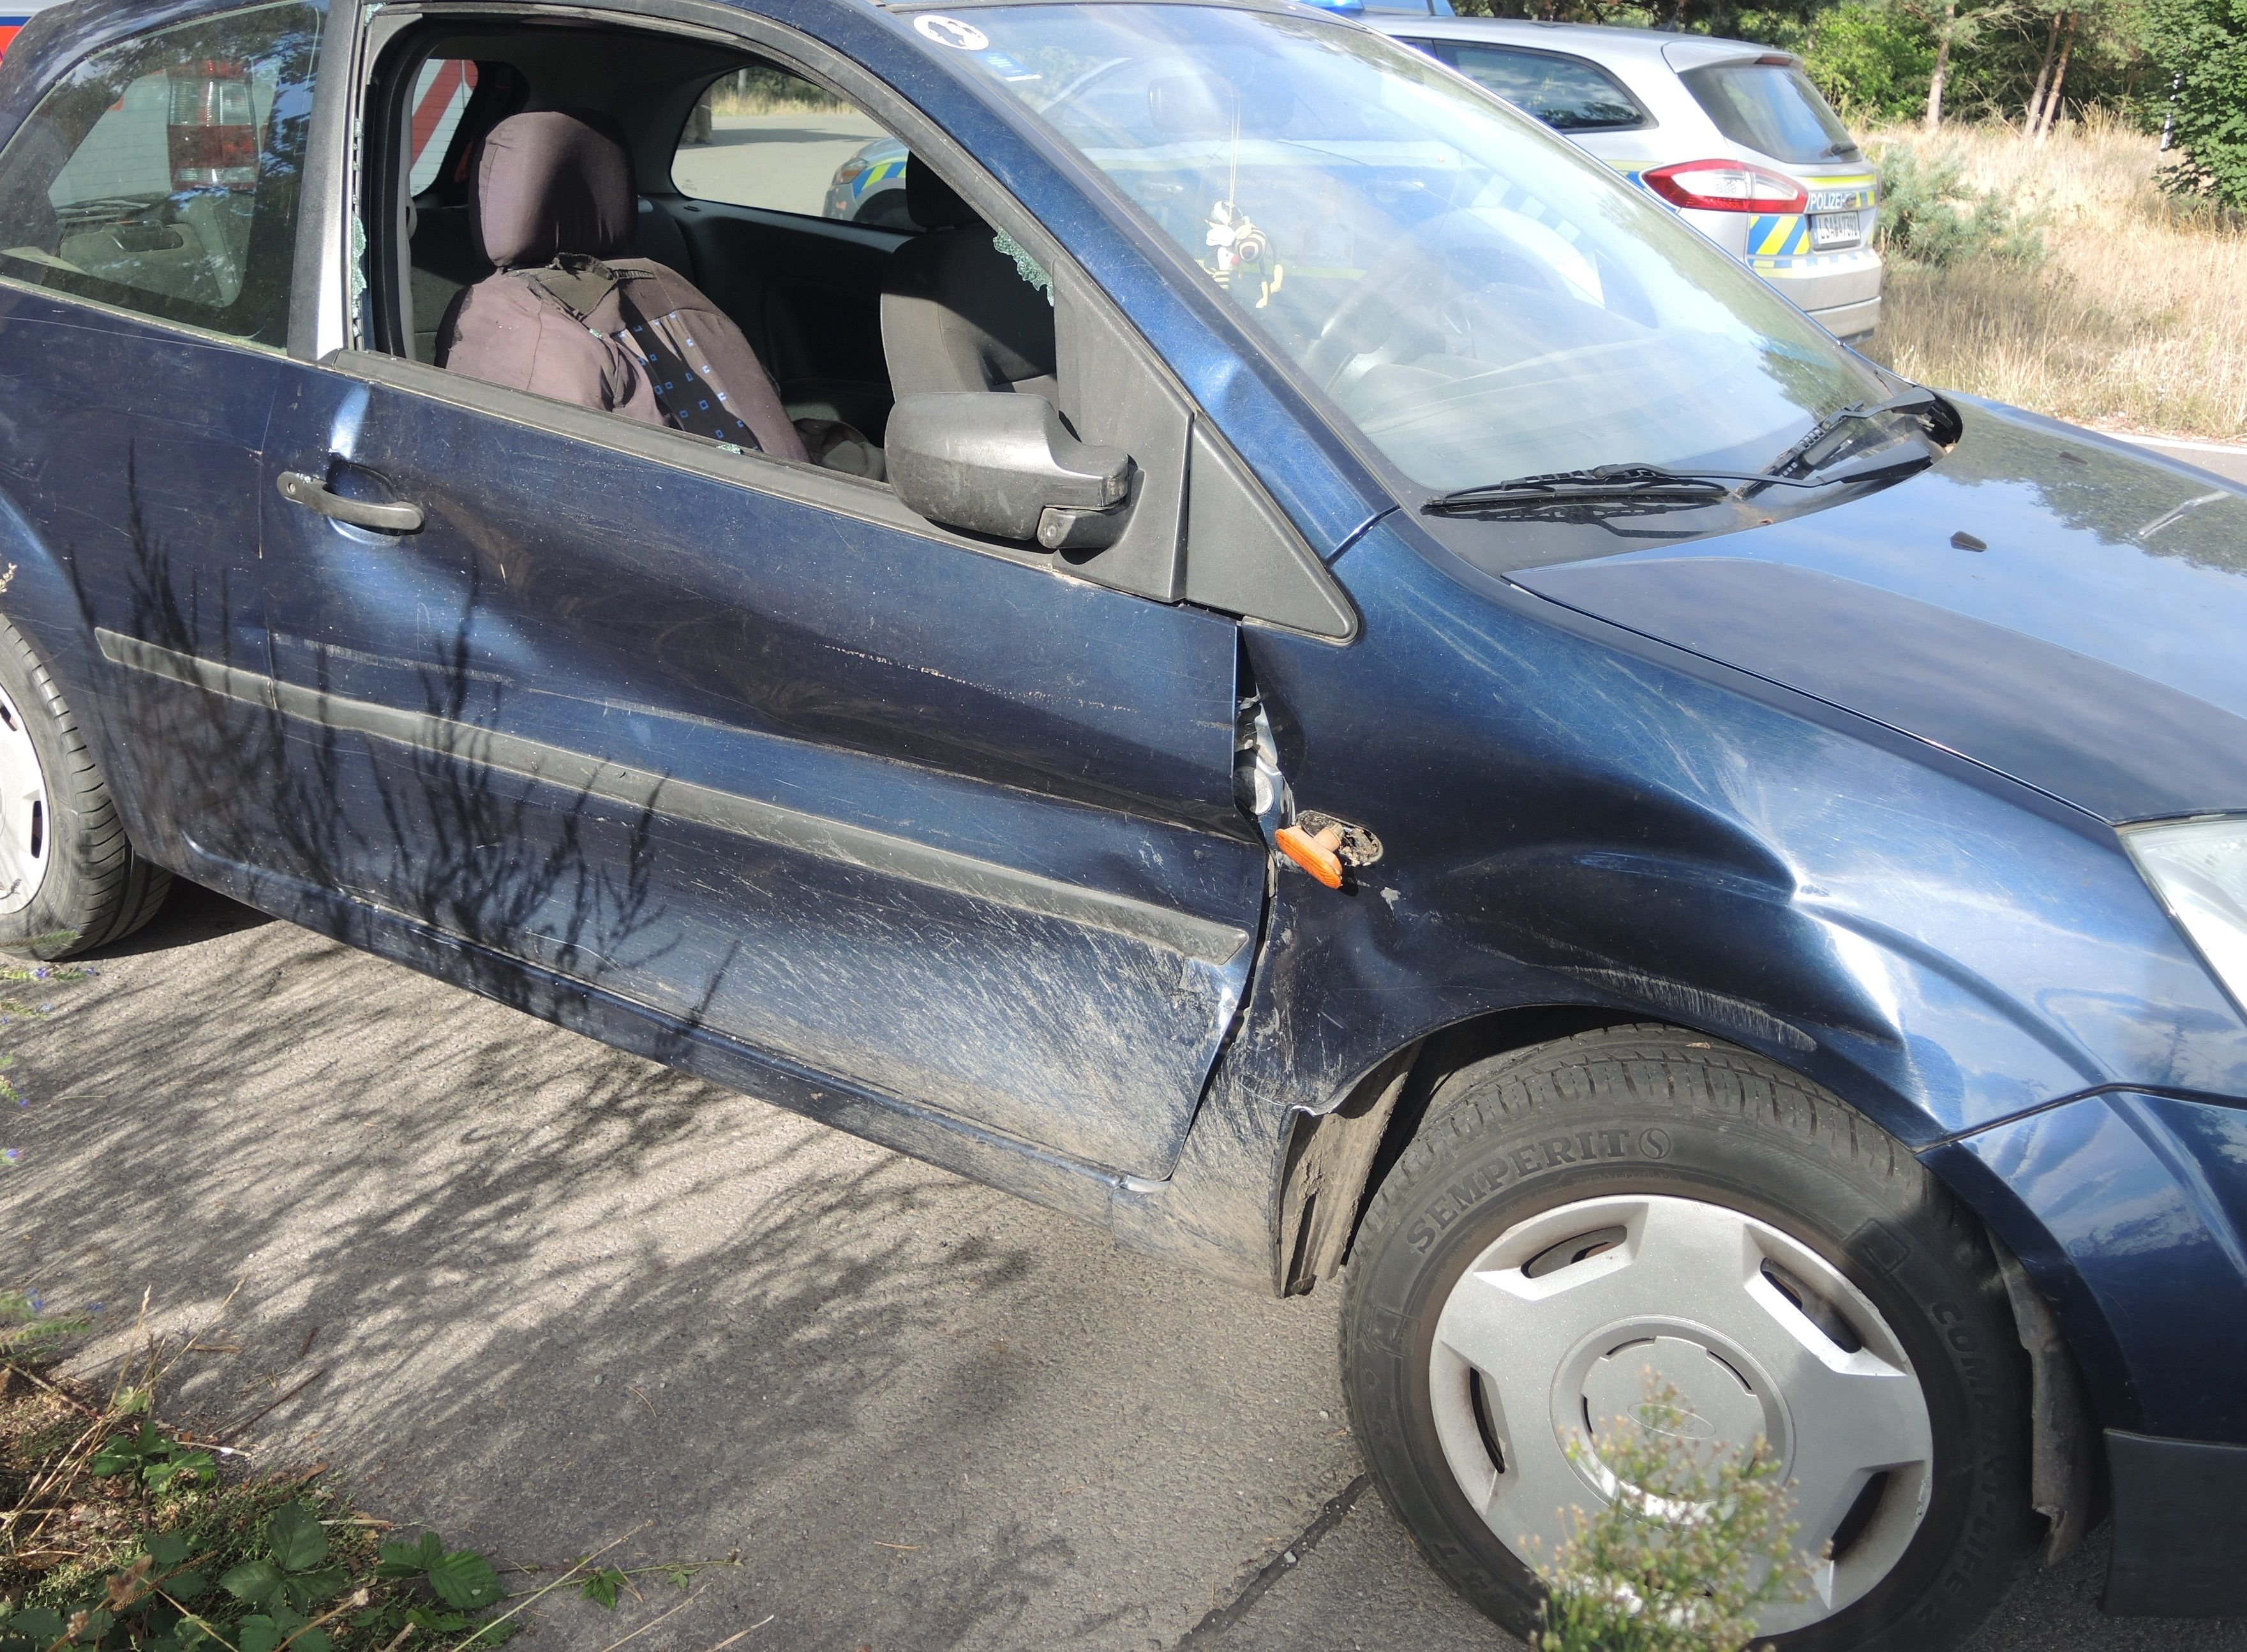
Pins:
x,y
1568,94
1769,105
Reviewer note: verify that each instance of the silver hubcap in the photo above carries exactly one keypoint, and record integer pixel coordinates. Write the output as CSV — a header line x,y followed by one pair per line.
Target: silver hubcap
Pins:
x,y
1551,1333
26,825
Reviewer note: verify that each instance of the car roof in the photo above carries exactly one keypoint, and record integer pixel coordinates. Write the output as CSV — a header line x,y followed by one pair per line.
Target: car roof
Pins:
x,y
1591,39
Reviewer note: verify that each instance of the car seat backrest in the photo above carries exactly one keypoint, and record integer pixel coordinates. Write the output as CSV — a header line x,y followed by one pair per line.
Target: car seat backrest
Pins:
x,y
551,204
957,313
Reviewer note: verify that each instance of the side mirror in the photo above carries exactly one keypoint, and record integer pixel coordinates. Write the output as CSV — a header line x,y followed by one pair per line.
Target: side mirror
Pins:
x,y
998,463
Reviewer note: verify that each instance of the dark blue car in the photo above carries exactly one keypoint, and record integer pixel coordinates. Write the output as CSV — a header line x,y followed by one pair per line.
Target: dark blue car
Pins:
x,y
1290,667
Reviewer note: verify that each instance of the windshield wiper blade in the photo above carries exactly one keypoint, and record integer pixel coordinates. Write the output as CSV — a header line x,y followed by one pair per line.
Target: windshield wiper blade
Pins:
x,y
1642,489
1912,401
1603,484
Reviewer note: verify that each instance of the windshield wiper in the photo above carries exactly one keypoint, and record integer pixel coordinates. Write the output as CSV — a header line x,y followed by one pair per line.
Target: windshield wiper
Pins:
x,y
1641,488
1912,401
1601,485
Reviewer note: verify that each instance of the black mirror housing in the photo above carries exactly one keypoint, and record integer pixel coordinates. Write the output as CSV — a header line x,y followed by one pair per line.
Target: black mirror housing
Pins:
x,y
998,463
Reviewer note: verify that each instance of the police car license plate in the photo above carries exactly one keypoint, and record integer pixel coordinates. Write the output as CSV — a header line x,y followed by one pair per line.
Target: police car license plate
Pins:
x,y
1832,229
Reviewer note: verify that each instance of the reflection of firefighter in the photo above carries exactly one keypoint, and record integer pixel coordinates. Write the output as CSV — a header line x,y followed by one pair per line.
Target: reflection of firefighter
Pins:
x,y
213,130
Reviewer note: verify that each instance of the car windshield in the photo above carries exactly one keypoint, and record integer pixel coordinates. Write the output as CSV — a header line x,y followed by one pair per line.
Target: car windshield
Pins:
x,y
1479,297
1771,107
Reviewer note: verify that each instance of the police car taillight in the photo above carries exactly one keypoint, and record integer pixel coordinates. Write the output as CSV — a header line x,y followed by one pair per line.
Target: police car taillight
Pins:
x,y
1725,186
212,129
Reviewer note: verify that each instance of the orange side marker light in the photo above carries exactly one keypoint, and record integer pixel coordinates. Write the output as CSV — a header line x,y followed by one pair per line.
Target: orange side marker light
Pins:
x,y
1315,855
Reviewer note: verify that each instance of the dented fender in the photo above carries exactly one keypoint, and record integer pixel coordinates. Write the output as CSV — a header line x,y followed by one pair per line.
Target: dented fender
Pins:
x,y
1578,819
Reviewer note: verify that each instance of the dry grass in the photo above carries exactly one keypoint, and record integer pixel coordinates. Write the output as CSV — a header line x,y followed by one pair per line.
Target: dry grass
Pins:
x,y
2137,322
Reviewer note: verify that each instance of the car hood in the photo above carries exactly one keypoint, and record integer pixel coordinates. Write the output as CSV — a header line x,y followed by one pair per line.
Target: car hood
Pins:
x,y
2052,605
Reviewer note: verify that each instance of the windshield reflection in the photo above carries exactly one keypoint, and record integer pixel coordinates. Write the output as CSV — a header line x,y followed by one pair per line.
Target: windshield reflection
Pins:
x,y
1480,298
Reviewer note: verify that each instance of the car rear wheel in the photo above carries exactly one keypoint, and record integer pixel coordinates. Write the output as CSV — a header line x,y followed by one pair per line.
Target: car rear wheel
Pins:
x,y
69,880
1641,1199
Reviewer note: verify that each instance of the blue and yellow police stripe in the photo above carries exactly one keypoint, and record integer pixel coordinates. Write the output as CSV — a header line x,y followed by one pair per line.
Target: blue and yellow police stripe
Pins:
x,y
1779,235
880,172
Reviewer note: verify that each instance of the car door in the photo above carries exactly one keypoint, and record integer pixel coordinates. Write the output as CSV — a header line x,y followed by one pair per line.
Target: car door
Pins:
x,y
949,827
147,224
751,747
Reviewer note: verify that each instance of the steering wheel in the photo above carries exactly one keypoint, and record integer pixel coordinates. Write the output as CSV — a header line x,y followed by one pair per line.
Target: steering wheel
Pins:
x,y
1396,305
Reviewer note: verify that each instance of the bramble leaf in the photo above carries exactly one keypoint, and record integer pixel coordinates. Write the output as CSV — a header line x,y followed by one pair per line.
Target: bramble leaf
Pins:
x,y
295,1538
257,1634
307,1589
600,1586
255,1582
401,1560
464,1579
169,1548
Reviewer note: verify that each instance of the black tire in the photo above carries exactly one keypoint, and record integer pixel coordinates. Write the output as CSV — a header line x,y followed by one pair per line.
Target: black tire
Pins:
x,y
95,889
885,209
1672,1112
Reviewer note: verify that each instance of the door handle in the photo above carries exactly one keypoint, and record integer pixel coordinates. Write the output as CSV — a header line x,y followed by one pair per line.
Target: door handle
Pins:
x,y
314,494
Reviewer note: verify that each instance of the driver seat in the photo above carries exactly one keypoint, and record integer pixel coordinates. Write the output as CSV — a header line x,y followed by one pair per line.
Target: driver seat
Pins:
x,y
957,313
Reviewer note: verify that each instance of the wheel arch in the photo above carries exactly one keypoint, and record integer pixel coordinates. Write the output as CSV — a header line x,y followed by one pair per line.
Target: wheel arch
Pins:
x,y
41,597
1336,1161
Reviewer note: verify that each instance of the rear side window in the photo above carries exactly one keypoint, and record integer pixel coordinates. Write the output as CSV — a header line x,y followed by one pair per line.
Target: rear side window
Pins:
x,y
161,175
1568,94
441,96
1769,105
763,137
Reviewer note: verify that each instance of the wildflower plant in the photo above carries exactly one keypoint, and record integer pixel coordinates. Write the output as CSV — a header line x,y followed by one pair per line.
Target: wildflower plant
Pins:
x,y
1696,1541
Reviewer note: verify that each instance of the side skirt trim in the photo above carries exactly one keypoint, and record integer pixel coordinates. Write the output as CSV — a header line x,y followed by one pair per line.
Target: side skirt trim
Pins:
x,y
1207,939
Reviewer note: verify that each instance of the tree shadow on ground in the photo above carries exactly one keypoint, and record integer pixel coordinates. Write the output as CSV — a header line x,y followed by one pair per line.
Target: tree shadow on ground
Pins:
x,y
551,1294
555,1294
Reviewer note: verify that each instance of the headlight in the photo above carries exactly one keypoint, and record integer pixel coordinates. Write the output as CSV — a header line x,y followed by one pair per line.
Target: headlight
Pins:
x,y
2199,869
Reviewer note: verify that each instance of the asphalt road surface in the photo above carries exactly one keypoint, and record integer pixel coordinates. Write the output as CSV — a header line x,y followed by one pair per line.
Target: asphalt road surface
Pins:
x,y
549,1297
2227,460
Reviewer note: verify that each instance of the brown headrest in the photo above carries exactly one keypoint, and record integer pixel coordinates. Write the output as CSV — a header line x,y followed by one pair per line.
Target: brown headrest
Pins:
x,y
548,183
932,204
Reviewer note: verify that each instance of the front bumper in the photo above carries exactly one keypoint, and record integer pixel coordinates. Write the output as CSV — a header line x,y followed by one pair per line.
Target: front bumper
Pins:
x,y
2129,1211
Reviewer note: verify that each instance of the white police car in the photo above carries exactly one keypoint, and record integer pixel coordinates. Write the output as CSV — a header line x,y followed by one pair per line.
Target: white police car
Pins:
x,y
1731,134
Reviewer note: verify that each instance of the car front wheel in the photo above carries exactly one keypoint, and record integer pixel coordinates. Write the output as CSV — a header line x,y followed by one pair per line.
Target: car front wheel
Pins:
x,y
1641,1204
69,880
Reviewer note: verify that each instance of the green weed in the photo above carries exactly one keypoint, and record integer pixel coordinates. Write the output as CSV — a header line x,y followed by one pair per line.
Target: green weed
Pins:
x,y
1695,1543
121,1534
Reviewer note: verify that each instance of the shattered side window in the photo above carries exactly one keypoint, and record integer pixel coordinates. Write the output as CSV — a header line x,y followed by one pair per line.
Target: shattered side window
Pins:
x,y
161,175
